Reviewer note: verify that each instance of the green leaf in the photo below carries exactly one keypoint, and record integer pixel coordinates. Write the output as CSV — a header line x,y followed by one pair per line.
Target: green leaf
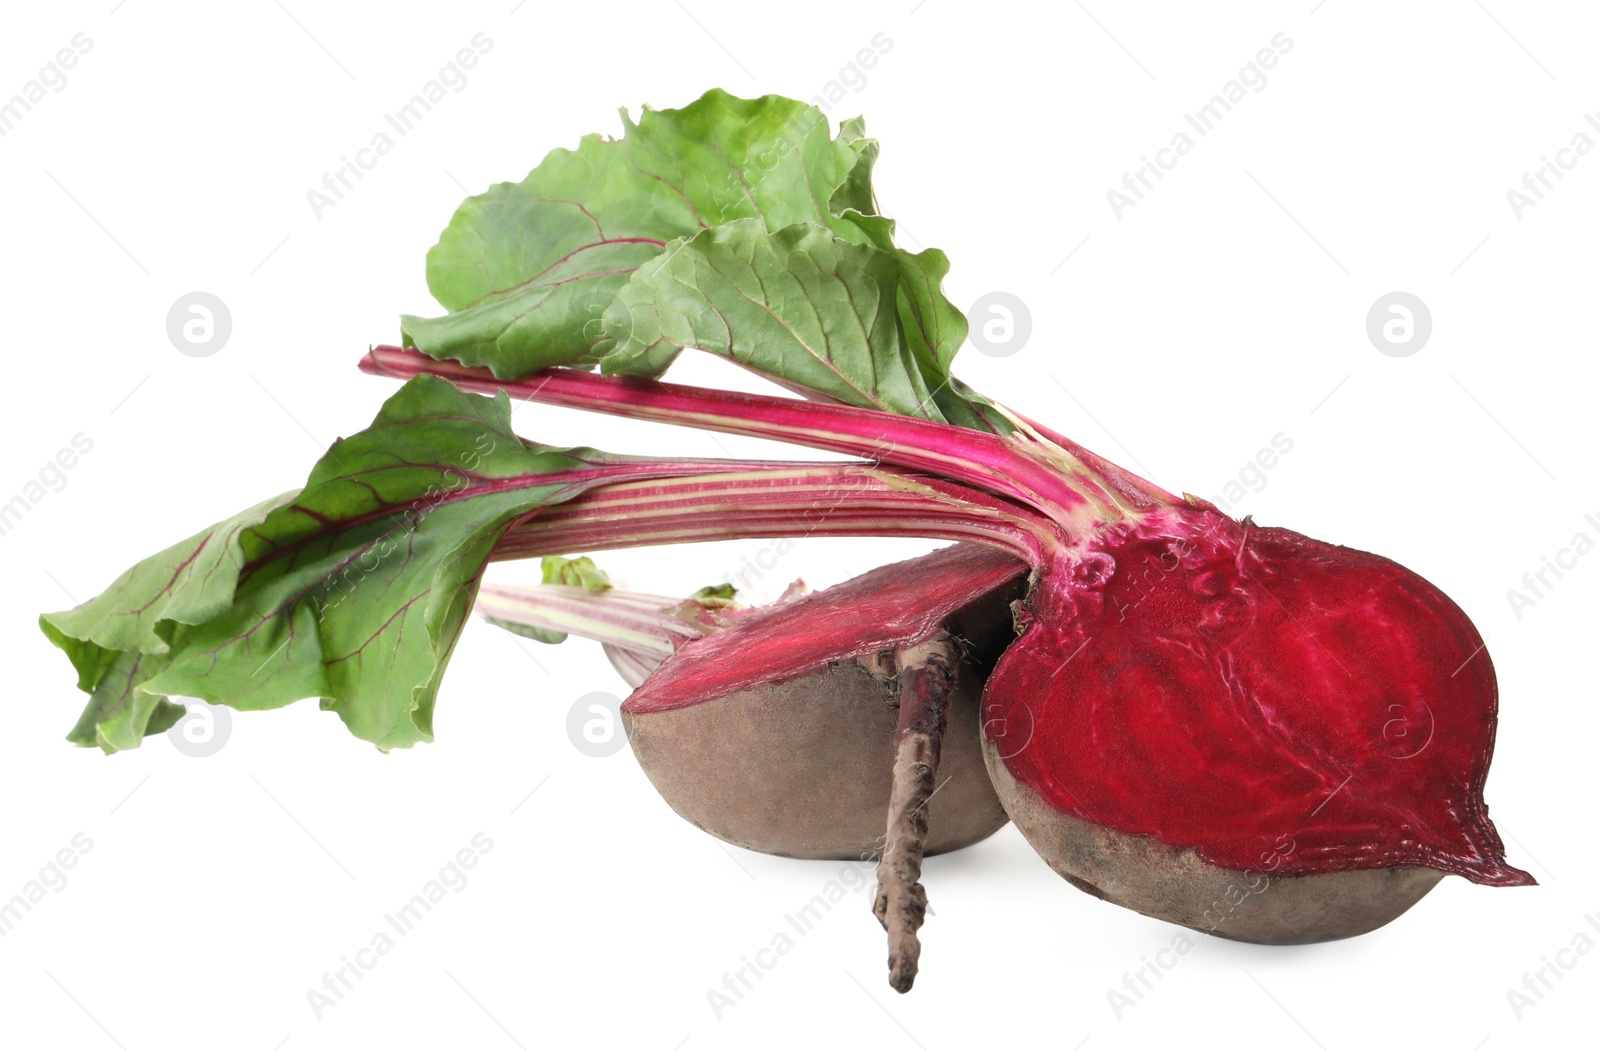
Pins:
x,y
525,267
715,594
856,192
575,572
528,268
935,329
119,640
769,158
353,590
121,711
799,305
187,583
542,272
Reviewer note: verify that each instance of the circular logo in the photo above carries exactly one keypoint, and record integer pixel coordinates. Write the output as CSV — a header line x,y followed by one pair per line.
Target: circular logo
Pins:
x,y
203,731
594,724
1399,324
199,324
1407,732
631,329
999,324
996,726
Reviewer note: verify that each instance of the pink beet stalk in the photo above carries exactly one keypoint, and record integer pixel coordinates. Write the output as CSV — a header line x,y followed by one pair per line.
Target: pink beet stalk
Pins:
x,y
643,624
777,500
636,631
1047,476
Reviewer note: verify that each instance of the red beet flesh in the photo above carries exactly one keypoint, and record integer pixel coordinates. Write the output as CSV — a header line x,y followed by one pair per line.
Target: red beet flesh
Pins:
x,y
1276,703
879,611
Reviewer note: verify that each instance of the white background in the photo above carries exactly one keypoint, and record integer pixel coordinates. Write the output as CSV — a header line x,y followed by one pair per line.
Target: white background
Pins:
x,y
1226,307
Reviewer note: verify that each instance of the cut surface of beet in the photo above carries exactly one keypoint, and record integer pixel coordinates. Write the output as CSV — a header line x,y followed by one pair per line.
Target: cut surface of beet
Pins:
x,y
1276,703
881,610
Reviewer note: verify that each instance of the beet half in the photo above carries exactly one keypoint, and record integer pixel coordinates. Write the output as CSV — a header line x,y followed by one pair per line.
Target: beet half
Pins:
x,y
779,733
796,732
1246,731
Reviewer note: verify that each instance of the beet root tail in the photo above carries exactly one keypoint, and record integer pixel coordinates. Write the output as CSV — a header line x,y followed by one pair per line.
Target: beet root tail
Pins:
x,y
927,673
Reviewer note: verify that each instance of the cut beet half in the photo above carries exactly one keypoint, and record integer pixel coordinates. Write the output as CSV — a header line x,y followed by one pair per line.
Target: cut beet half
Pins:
x,y
779,733
1248,731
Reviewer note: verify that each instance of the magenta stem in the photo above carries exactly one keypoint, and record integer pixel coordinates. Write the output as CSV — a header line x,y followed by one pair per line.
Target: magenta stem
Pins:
x,y
1049,478
780,501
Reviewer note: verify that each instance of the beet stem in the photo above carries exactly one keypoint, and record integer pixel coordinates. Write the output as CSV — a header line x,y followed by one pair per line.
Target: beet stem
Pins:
x,y
927,674
796,501
1082,493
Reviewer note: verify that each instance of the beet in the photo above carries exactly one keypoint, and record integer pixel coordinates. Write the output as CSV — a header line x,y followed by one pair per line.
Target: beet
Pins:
x,y
1198,703
796,731
778,734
